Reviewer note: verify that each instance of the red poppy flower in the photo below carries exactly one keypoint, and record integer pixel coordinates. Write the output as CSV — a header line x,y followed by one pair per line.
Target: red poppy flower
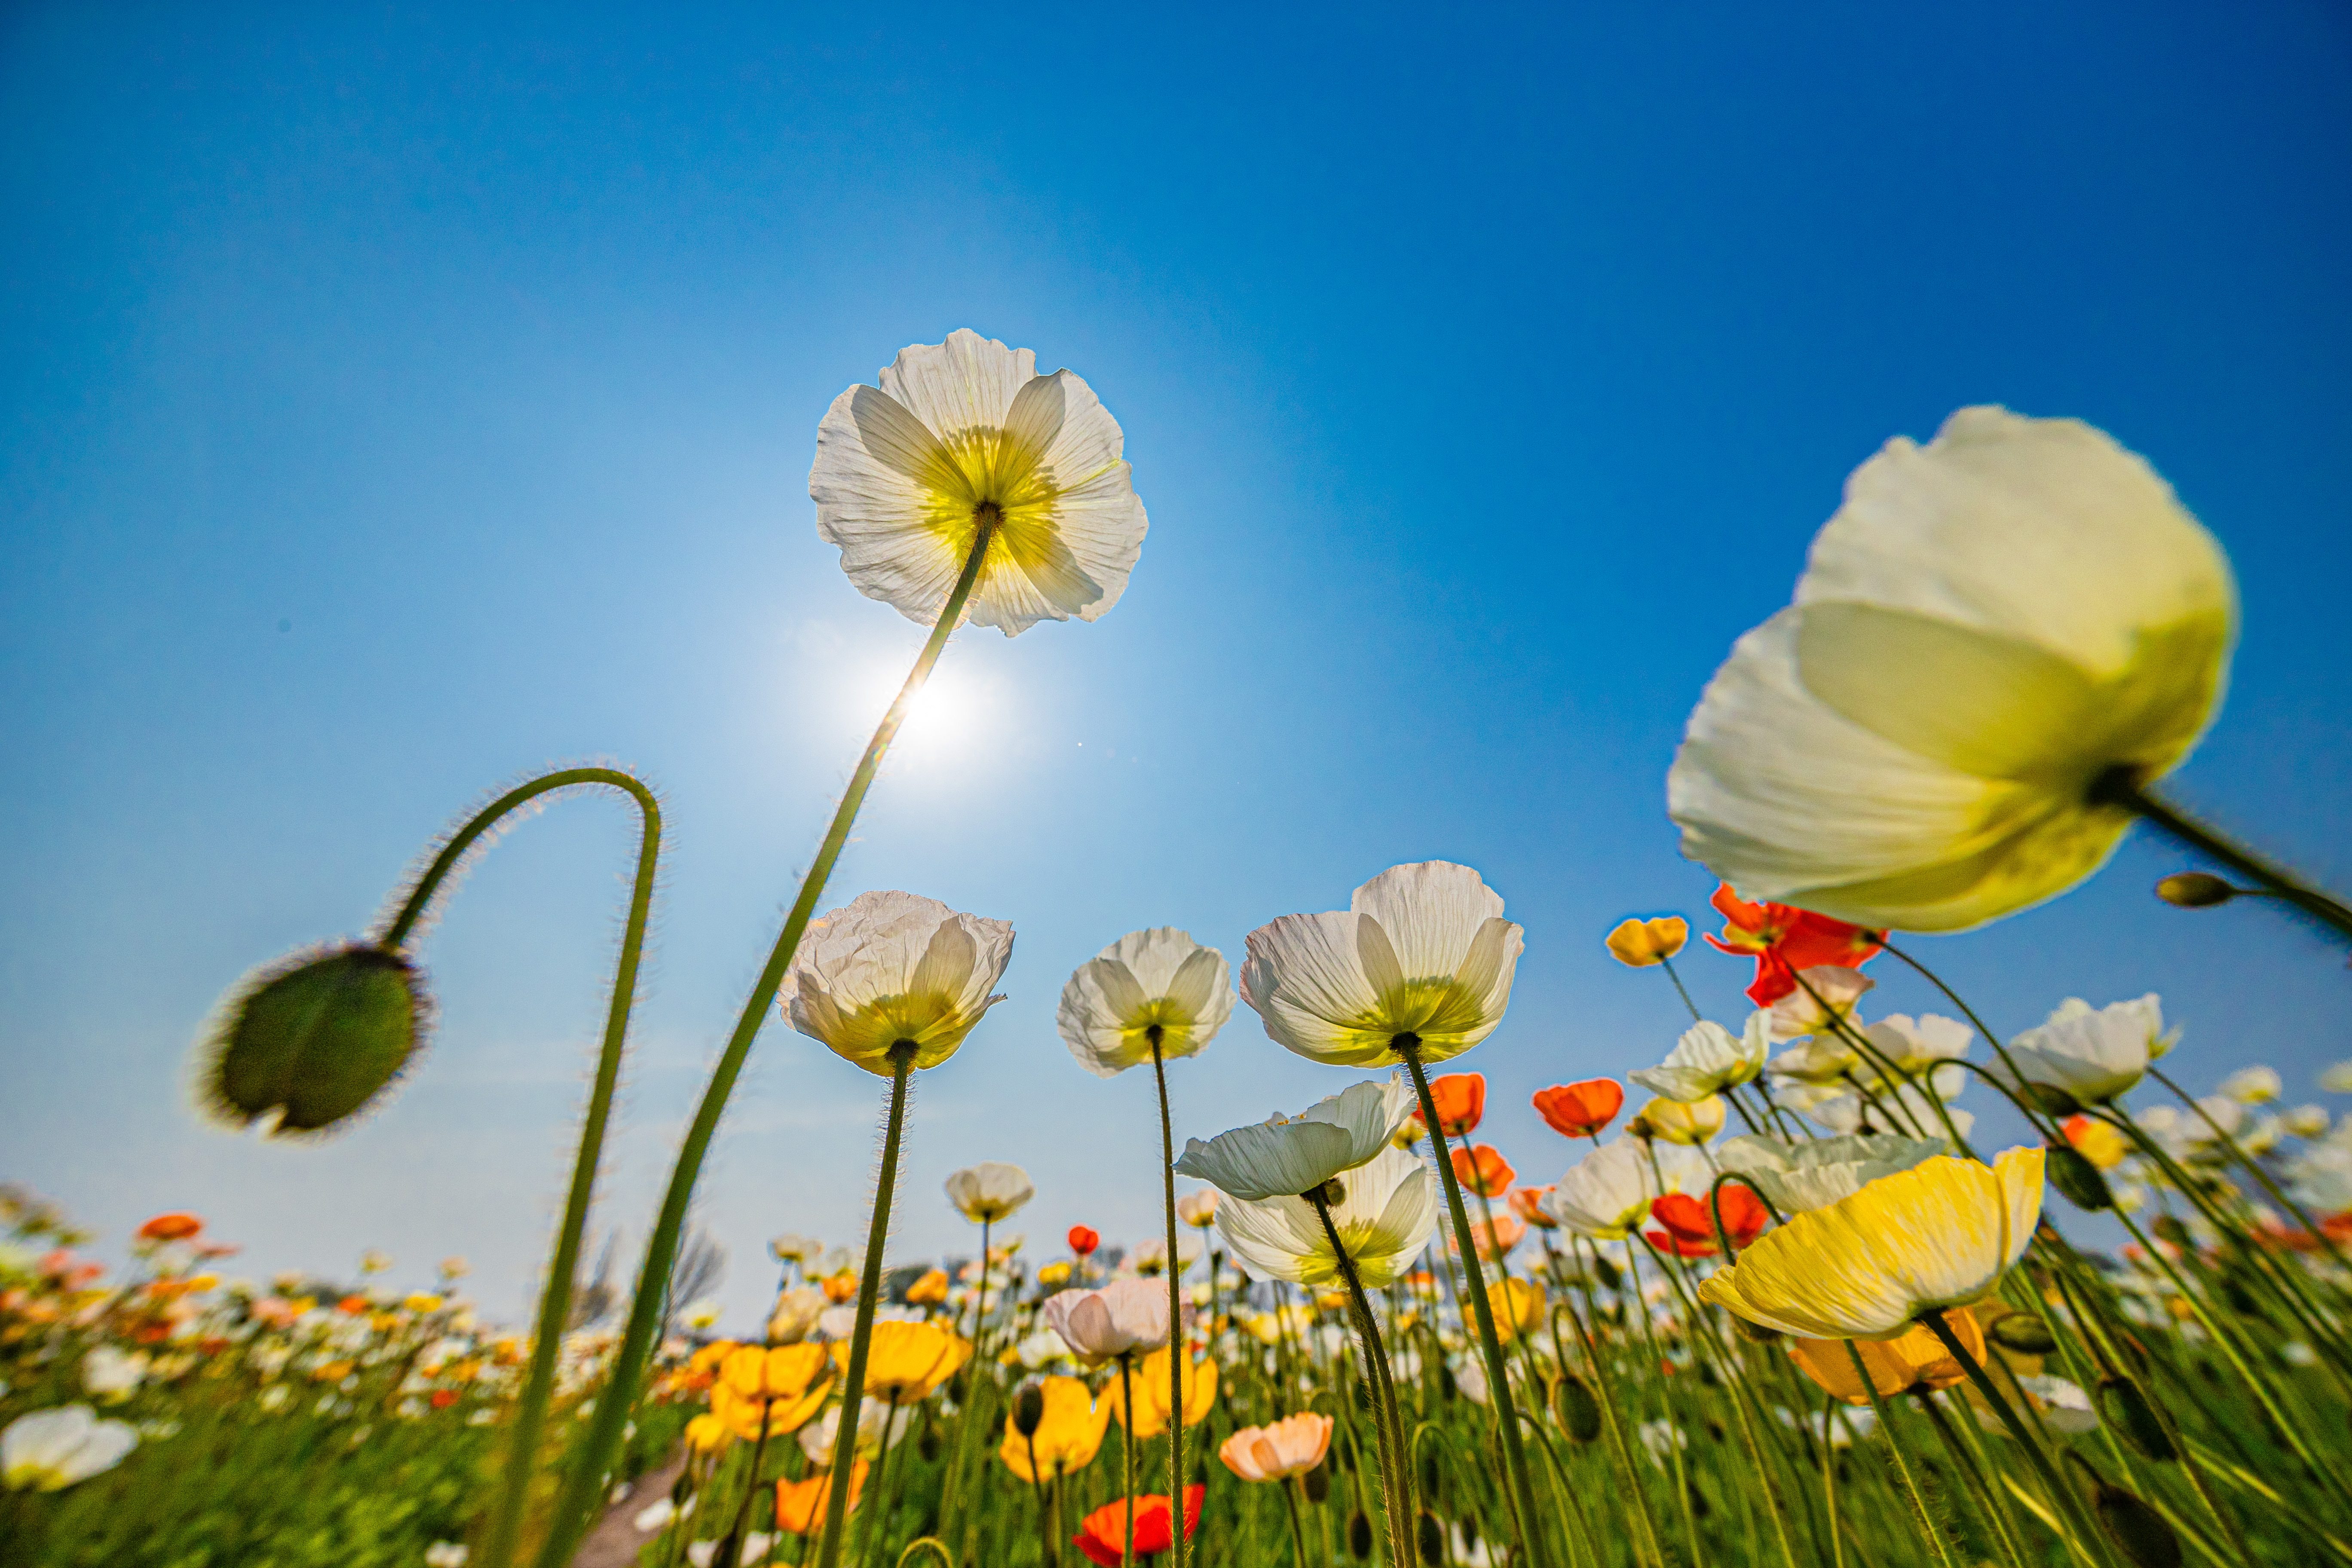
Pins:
x,y
1082,1239
1783,939
1461,1100
1580,1109
171,1227
1103,1536
1690,1227
1483,1170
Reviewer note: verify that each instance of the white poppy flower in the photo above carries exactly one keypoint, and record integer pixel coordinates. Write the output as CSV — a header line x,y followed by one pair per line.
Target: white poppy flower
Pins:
x,y
1149,987
49,1450
1470,1378
1285,1157
1827,997
796,1313
1041,1350
2065,1408
2306,1120
1384,1219
2252,1086
1816,1172
791,1248
1422,951
877,1418
1150,1257
1709,1060
1988,624
1607,1193
965,431
2337,1079
1123,1317
2092,1055
113,1375
1917,1045
1900,1110
1201,1208
2321,1178
1816,1060
892,967
992,1190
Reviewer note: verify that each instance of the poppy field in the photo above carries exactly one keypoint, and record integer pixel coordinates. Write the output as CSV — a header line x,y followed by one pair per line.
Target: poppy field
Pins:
x,y
1769,1297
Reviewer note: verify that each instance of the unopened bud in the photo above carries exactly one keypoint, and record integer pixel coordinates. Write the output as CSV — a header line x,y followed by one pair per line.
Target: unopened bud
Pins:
x,y
2195,890
2022,1333
1755,1333
1429,1540
2053,1101
2127,1409
1359,1536
1334,1192
1317,1481
317,1040
2139,1531
1575,1409
1028,1410
2075,1176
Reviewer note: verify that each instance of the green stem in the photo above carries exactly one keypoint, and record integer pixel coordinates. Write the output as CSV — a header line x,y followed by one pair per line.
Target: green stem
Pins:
x,y
1668,965
2087,1537
1910,1487
1127,1460
1175,1307
1395,1487
1298,1536
1515,1456
2121,786
555,1301
869,1289
585,1484
2013,1089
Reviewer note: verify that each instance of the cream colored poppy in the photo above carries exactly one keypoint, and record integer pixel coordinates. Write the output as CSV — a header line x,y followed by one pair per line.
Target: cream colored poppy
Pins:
x,y
1988,624
1386,1217
1422,951
1939,1235
967,432
1149,987
894,966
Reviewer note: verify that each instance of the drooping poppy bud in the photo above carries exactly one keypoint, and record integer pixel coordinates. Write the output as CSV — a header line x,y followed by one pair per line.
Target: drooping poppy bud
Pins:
x,y
2066,1169
1429,1540
1575,1408
1359,1536
2139,1531
2195,890
318,1038
2127,1408
1317,1481
2022,1333
1029,1409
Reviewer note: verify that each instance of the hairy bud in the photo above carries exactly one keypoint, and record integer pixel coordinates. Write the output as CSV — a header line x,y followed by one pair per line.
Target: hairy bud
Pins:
x,y
317,1040
2127,1409
1359,1536
2075,1176
1574,1407
2022,1333
2195,890
1028,1409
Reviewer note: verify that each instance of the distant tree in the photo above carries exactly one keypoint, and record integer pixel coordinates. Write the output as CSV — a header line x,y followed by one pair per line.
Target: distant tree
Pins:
x,y
593,1298
701,1265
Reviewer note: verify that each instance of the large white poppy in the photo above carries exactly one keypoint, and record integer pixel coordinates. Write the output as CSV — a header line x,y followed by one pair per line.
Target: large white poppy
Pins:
x,y
1286,1156
1988,624
893,966
964,430
1386,1217
2093,1055
1149,988
1421,950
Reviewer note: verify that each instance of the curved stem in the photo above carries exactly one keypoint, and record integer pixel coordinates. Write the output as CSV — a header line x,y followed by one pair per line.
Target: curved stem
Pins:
x,y
2062,1495
1514,1455
869,1288
1175,1307
1396,1490
555,1299
1910,1488
585,1484
2117,786
2041,1124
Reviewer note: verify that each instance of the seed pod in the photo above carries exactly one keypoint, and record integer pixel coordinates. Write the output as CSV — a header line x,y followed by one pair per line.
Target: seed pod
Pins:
x,y
317,1039
1573,1406
2139,1531
2022,1333
1317,1481
2195,890
1359,1536
2168,1227
2127,1409
1429,1540
2076,1178
1029,1409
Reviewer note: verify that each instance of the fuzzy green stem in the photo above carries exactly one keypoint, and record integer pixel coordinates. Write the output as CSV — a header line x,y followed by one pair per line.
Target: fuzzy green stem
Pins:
x,y
2122,786
590,1460
869,1289
555,1300
1175,1305
1668,965
2063,1497
1910,1487
1395,1486
1126,1461
1515,1456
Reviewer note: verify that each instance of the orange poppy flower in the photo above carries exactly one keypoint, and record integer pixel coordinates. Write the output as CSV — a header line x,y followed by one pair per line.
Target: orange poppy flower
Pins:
x,y
1783,940
929,1291
1493,1241
1910,1360
1482,1169
1461,1100
171,1227
1580,1109
1690,1222
1103,1536
800,1505
1528,1204
1084,1239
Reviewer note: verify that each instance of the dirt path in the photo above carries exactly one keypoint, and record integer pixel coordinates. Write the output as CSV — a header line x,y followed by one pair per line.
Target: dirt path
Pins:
x,y
614,1542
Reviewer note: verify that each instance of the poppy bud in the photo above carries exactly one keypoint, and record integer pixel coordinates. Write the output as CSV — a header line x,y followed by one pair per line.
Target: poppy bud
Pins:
x,y
1431,1476
318,1038
1317,1481
1334,1192
927,1445
2168,1227
2053,1101
2127,1408
2195,890
1028,1409
1447,1389
1359,1536
2022,1333
1573,1406
1607,1271
2075,1176
2139,1531
1429,1538
1755,1332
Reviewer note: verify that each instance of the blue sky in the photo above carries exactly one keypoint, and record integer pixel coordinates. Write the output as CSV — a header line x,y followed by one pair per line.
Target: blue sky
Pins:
x,y
400,400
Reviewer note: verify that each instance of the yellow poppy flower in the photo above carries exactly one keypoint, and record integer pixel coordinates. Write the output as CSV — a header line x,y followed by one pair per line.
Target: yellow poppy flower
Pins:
x,y
1517,1307
787,1384
1678,1123
904,1362
1939,1235
1069,1434
1150,1378
1642,944
1911,1360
